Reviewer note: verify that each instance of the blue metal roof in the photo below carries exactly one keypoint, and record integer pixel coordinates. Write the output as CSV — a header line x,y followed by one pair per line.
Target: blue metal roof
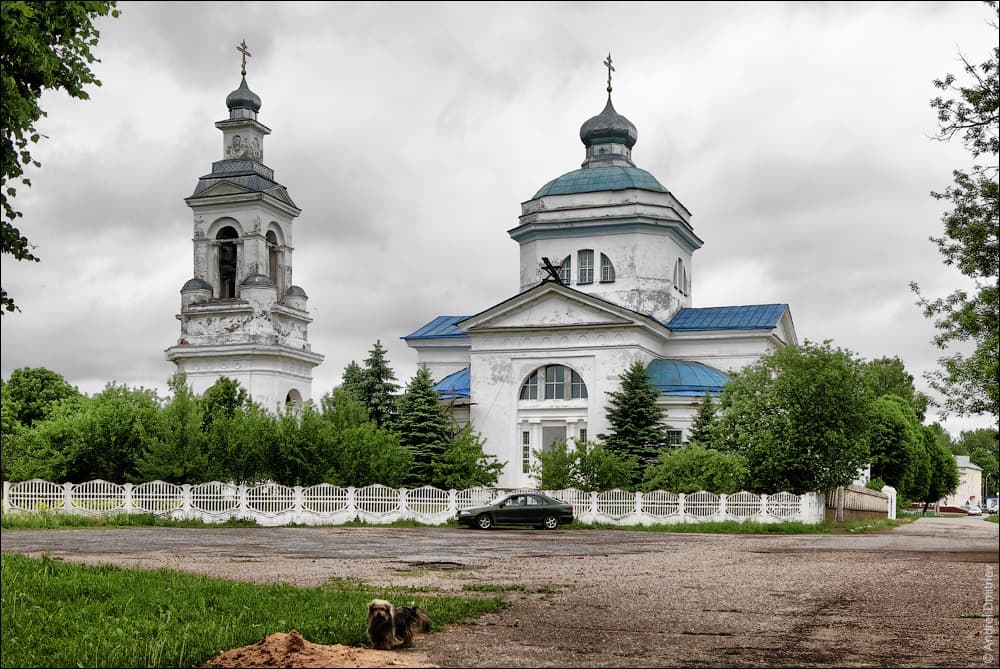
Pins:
x,y
749,317
455,385
592,179
685,377
442,326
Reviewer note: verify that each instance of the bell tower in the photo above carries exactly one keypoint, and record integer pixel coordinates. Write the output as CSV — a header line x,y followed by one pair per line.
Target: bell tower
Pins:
x,y
241,315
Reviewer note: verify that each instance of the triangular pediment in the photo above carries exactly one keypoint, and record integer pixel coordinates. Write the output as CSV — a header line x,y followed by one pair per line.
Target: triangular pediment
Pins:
x,y
279,192
550,305
223,188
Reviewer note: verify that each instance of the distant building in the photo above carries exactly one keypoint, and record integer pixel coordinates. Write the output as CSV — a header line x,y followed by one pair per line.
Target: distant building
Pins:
x,y
241,315
605,280
970,484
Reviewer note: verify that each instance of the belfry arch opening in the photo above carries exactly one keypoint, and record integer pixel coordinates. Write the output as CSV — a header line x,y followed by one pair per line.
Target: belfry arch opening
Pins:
x,y
272,256
227,239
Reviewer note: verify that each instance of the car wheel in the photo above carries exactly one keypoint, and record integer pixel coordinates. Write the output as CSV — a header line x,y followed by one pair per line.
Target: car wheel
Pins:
x,y
484,521
551,522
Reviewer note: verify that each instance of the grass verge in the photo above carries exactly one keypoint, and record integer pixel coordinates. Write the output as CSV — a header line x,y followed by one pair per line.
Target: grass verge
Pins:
x,y
56,614
751,527
52,520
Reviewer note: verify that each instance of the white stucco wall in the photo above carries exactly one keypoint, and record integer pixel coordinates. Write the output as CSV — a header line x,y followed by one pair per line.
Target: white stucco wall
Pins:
x,y
970,487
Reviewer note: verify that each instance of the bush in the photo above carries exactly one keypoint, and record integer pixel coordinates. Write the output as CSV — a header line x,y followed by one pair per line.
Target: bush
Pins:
x,y
695,468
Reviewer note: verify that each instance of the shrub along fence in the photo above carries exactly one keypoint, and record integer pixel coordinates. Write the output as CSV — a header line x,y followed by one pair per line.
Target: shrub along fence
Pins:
x,y
327,504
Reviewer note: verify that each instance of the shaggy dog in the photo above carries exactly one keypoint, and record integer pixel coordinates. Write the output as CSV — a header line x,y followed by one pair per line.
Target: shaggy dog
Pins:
x,y
394,626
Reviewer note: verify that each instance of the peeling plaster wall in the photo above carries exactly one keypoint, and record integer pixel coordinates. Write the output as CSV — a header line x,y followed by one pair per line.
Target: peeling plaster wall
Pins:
x,y
268,378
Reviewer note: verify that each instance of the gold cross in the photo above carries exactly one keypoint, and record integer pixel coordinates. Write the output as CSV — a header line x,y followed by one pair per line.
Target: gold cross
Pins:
x,y
242,48
607,63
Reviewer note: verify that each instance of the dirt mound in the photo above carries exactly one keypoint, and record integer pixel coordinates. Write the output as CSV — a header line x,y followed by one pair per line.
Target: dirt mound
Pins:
x,y
291,650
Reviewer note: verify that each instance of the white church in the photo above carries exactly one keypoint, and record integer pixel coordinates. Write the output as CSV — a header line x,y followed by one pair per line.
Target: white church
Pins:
x,y
605,280
241,315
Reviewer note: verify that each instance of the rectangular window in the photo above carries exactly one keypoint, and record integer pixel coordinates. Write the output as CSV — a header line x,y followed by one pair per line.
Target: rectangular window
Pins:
x,y
583,434
555,382
674,438
525,452
579,389
585,259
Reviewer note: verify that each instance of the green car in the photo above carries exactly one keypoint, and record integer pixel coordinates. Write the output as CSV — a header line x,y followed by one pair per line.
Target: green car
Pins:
x,y
522,508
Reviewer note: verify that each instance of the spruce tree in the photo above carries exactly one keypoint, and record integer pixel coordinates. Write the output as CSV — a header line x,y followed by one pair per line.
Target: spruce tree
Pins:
x,y
637,423
704,421
353,378
377,387
423,425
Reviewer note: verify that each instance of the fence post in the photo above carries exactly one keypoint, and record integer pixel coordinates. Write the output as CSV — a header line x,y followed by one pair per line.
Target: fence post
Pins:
x,y
129,505
242,505
6,495
186,500
723,505
593,504
762,511
67,497
352,504
404,507
681,511
452,502
298,503
890,492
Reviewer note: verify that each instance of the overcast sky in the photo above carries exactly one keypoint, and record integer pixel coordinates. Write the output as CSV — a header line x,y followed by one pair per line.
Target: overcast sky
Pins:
x,y
798,135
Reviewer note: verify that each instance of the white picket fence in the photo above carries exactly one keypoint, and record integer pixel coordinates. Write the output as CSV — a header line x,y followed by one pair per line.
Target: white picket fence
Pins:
x,y
326,504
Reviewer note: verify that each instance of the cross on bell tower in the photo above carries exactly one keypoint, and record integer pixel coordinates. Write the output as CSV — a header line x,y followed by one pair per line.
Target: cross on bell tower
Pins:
x,y
242,48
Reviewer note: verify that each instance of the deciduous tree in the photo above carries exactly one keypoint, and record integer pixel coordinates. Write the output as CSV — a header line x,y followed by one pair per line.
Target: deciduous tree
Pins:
x,y
799,415
46,46
971,241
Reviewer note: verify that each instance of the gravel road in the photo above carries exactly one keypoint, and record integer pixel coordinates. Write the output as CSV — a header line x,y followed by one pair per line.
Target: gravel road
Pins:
x,y
922,595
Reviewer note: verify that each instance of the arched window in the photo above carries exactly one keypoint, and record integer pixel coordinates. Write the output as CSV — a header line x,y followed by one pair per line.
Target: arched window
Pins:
x,y
585,262
227,239
607,270
566,270
553,382
272,256
680,277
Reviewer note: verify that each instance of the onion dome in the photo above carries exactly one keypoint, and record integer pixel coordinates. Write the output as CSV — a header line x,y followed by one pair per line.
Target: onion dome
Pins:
x,y
608,127
196,284
257,281
243,98
295,291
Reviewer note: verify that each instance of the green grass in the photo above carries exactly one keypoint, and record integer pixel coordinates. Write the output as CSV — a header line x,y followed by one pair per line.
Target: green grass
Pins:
x,y
56,614
992,518
50,520
751,527
516,587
